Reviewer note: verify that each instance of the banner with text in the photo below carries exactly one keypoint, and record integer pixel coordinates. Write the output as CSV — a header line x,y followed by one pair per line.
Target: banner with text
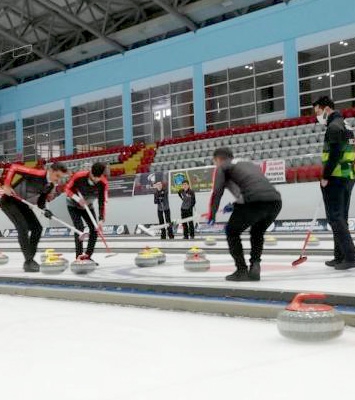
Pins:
x,y
144,182
121,186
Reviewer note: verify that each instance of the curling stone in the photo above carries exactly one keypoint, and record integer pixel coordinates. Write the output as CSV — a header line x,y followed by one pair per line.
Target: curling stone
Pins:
x,y
146,259
270,240
53,265
196,264
313,241
159,254
195,250
3,258
82,267
46,253
210,241
309,322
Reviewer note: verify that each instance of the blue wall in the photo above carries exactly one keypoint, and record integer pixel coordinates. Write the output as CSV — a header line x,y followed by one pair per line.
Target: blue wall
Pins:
x,y
282,24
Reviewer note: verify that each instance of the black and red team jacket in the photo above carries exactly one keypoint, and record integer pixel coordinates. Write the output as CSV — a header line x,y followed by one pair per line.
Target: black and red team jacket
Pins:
x,y
32,185
80,182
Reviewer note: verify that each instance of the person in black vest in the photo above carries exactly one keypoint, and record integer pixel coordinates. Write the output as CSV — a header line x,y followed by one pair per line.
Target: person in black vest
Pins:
x,y
187,196
337,181
161,198
257,204
91,185
36,186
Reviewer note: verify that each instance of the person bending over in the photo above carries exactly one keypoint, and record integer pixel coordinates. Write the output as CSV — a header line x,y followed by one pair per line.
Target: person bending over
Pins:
x,y
36,186
91,185
257,204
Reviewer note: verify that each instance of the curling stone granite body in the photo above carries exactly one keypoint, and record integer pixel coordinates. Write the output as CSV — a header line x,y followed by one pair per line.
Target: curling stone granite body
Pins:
x,y
82,267
159,254
196,264
146,260
4,259
309,322
210,241
53,266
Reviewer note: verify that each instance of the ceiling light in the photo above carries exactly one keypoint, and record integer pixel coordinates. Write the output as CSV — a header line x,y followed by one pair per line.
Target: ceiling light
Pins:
x,y
341,42
319,78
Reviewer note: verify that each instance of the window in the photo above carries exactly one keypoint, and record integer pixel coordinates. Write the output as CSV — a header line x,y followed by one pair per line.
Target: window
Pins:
x,y
43,136
241,95
98,124
163,111
8,141
327,70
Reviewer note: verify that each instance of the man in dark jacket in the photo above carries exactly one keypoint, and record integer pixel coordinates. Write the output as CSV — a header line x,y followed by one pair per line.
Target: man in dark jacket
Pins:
x,y
337,181
91,185
187,196
257,204
36,186
161,198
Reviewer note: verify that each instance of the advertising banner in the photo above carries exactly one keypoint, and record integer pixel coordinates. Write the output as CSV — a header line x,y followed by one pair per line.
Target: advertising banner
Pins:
x,y
144,183
121,186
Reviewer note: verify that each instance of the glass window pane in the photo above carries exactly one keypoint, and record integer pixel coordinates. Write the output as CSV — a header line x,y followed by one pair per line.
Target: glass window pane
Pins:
x,y
80,120
57,135
217,116
96,127
138,119
159,91
184,97
342,47
143,106
55,125
113,113
218,125
95,105
314,54
268,65
314,69
241,98
345,62
181,86
140,95
217,90
309,98
240,72
114,135
270,92
216,77
113,124
182,122
80,130
241,85
269,79
42,128
317,83
344,93
343,78
95,116
243,111
185,109
271,106
113,102
217,104
97,138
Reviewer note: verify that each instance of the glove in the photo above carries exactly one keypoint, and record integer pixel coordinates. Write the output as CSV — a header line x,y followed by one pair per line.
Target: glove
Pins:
x,y
228,208
48,213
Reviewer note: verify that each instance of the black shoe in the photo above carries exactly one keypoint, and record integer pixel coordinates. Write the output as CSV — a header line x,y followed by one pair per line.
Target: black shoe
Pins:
x,y
345,265
31,266
332,263
254,272
239,276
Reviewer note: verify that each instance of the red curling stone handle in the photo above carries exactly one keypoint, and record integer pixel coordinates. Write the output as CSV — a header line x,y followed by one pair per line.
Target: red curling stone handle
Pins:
x,y
298,305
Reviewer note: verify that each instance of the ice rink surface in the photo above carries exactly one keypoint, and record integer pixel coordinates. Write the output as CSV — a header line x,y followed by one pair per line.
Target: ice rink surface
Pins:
x,y
57,350
277,273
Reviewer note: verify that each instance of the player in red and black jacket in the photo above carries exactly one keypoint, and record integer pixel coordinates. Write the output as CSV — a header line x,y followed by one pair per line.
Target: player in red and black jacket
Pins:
x,y
91,185
36,186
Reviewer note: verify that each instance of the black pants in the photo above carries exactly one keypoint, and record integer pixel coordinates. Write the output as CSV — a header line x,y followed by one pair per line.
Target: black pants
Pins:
x,y
25,221
188,227
167,220
78,215
336,196
258,216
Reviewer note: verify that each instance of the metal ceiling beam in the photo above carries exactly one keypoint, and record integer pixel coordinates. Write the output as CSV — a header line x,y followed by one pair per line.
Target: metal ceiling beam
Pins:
x,y
47,4
174,12
10,79
21,42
